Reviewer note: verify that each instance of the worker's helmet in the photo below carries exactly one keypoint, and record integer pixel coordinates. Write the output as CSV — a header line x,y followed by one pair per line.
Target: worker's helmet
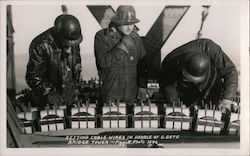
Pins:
x,y
69,29
195,67
125,15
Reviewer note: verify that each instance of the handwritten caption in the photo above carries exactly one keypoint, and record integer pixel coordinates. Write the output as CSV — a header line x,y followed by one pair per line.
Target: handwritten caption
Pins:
x,y
120,140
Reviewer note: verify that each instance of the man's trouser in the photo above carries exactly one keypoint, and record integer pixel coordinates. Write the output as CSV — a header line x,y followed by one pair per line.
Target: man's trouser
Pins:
x,y
130,114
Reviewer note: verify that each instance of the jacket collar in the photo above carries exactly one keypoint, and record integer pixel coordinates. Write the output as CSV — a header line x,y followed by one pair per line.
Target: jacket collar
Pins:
x,y
56,38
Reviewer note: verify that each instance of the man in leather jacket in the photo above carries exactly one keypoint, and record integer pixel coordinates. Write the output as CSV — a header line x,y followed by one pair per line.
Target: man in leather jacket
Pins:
x,y
199,71
54,66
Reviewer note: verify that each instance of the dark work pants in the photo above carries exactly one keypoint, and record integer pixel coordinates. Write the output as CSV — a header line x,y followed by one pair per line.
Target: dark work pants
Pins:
x,y
98,115
161,112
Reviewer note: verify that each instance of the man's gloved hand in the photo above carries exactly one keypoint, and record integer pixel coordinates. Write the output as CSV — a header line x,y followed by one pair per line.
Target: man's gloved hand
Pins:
x,y
46,90
235,107
225,106
54,98
126,43
142,94
78,67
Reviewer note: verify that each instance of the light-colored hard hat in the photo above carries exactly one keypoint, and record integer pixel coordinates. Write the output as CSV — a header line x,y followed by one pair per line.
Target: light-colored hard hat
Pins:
x,y
125,15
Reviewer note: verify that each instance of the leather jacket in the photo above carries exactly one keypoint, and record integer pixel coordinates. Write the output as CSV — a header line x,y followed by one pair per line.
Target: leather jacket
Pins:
x,y
44,67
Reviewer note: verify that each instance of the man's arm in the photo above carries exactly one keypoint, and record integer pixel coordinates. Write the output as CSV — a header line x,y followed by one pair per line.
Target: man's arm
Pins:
x,y
106,57
142,67
36,74
169,75
142,70
227,70
168,82
78,65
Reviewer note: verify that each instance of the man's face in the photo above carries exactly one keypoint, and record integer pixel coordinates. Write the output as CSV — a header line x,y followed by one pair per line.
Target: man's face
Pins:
x,y
187,78
126,29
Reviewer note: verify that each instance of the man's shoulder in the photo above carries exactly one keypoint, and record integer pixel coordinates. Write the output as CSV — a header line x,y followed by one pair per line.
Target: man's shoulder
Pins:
x,y
44,38
201,42
103,32
197,45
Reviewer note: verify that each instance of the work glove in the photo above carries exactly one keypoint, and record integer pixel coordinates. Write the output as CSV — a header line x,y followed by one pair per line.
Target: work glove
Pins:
x,y
225,106
142,94
44,88
78,67
235,107
126,43
77,71
54,98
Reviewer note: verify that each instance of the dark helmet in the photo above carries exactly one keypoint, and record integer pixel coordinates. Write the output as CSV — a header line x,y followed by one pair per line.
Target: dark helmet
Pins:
x,y
68,29
125,15
195,67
